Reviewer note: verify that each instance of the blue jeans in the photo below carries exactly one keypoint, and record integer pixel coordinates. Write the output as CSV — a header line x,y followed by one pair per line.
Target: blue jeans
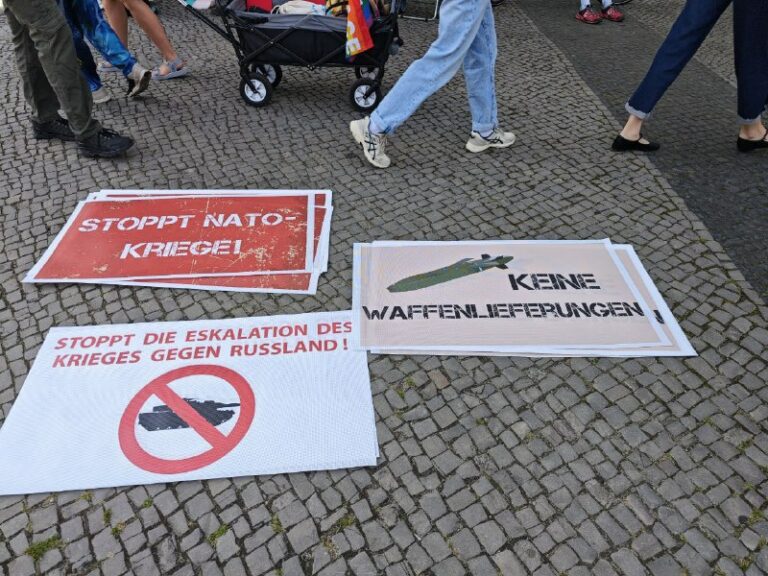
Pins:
x,y
688,32
466,35
87,20
87,64
750,39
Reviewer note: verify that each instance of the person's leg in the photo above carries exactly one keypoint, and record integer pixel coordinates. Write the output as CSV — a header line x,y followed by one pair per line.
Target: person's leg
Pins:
x,y
51,39
153,28
38,92
459,22
687,34
101,35
117,18
479,74
87,65
750,22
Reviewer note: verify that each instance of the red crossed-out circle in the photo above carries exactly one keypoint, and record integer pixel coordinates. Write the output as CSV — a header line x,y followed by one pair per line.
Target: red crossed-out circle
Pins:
x,y
221,444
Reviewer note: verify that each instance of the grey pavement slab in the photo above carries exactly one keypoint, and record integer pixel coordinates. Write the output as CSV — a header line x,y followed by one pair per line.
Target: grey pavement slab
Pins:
x,y
513,466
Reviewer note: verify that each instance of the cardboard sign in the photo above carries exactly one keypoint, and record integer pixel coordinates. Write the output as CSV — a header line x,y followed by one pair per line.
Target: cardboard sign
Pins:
x,y
161,402
510,297
224,272
297,283
169,237
678,346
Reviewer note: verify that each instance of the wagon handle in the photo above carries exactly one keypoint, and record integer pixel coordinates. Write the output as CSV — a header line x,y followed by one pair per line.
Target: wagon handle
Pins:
x,y
226,34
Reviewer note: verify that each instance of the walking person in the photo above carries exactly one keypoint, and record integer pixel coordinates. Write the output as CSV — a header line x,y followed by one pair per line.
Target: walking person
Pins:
x,y
172,66
48,66
688,32
86,20
750,39
466,36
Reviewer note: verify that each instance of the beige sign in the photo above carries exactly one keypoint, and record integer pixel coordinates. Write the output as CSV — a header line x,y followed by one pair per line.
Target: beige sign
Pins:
x,y
530,296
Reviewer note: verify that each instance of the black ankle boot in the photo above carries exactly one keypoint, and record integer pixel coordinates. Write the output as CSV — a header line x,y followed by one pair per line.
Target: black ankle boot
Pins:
x,y
104,144
58,128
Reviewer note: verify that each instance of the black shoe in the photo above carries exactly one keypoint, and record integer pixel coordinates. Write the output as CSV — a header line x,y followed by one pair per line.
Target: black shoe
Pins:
x,y
621,144
745,145
58,128
104,144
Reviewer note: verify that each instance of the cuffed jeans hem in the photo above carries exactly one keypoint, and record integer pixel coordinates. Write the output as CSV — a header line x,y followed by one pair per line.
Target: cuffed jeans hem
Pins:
x,y
483,128
744,121
636,112
375,126
128,69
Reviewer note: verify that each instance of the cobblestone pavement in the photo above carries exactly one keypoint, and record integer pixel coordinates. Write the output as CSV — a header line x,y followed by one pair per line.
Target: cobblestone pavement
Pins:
x,y
488,465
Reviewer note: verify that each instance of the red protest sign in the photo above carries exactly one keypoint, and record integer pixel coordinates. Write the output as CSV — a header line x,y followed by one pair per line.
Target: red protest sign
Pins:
x,y
300,282
190,236
221,444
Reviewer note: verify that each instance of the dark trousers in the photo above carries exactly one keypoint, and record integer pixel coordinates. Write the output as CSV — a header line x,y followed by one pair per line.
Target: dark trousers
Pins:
x,y
49,69
688,32
750,39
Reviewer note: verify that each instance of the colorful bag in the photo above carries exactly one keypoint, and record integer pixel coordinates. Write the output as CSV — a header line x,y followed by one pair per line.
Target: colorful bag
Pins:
x,y
359,20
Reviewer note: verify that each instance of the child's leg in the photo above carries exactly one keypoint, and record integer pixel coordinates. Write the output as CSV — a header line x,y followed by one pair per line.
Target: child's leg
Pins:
x,y
87,65
102,36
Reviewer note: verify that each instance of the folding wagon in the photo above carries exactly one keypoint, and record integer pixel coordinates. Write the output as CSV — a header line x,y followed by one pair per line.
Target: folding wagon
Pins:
x,y
264,43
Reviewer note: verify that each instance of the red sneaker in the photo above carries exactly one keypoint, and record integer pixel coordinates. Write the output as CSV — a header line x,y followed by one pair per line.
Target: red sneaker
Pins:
x,y
613,14
589,16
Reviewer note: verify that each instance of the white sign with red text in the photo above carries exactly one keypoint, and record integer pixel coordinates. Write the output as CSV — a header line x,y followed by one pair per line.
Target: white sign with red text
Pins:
x,y
163,402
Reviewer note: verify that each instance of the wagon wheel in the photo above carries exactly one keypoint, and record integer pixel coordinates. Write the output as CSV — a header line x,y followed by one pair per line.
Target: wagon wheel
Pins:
x,y
273,72
369,72
256,90
365,95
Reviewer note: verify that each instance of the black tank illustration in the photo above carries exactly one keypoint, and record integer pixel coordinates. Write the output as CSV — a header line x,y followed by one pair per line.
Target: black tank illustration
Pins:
x,y
163,418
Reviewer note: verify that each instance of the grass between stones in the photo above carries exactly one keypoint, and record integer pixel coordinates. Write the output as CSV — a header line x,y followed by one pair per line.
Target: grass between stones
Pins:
x,y
38,549
218,533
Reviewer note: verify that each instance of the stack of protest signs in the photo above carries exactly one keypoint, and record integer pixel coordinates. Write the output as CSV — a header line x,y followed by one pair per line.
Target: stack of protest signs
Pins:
x,y
235,240
516,298
117,405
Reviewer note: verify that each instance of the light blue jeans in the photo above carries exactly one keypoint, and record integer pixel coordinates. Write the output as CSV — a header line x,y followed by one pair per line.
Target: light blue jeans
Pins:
x,y
466,35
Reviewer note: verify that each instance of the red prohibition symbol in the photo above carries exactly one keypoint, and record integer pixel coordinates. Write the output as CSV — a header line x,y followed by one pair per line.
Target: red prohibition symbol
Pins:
x,y
221,444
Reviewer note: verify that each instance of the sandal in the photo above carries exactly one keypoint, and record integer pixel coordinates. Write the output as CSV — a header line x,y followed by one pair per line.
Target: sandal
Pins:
x,y
177,69
746,145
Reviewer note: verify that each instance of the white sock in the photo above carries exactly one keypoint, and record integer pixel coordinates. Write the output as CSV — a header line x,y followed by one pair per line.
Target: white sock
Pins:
x,y
585,4
487,134
607,4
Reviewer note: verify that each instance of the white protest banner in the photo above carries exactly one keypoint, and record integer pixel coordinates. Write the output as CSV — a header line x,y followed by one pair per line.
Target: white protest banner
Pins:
x,y
144,403
537,297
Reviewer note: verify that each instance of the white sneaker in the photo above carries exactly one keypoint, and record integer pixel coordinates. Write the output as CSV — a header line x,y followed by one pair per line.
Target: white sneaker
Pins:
x,y
101,95
497,139
373,144
104,67
138,80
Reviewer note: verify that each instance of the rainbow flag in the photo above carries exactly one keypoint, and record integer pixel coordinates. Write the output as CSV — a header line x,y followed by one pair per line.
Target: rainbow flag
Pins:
x,y
359,20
